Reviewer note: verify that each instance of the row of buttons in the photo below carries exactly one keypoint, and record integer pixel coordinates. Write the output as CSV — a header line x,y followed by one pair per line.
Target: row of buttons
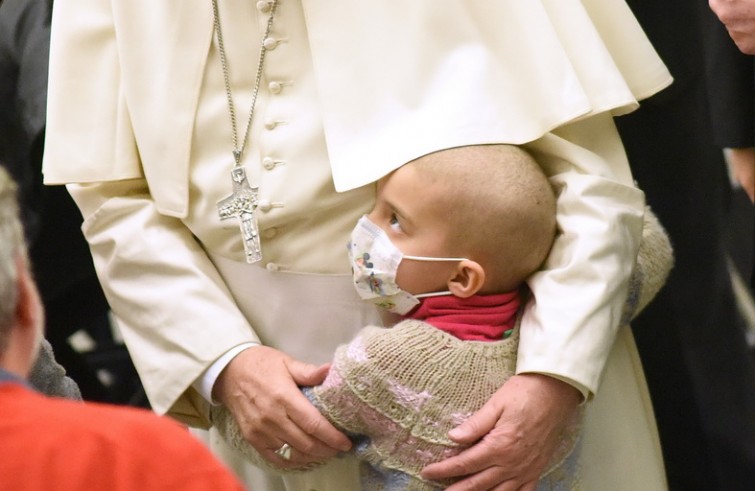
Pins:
x,y
269,163
275,88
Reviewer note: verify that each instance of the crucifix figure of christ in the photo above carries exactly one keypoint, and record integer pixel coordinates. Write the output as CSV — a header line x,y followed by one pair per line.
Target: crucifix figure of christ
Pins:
x,y
242,204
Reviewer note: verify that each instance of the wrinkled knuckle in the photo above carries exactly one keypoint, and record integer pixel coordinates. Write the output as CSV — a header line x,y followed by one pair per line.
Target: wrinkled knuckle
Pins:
x,y
311,425
250,433
502,442
277,398
264,417
460,468
251,422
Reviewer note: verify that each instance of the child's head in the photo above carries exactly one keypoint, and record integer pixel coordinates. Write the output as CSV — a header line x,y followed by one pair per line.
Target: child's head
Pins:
x,y
489,204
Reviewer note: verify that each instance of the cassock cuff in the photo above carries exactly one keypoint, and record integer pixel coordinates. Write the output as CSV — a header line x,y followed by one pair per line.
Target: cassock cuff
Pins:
x,y
205,383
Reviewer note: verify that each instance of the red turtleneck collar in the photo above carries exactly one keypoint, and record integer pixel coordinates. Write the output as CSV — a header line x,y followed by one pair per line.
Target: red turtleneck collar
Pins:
x,y
476,318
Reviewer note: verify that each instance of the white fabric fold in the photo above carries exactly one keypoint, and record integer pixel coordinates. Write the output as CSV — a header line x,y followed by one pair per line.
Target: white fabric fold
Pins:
x,y
518,68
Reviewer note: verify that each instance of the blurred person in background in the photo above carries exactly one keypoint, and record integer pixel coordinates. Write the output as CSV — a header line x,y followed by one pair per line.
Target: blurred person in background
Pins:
x,y
691,338
60,258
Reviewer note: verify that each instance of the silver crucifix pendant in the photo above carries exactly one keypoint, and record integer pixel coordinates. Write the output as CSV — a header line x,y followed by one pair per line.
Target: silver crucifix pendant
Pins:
x,y
242,204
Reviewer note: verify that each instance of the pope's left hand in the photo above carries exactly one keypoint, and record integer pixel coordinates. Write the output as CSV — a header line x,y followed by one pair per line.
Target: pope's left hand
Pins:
x,y
739,18
517,432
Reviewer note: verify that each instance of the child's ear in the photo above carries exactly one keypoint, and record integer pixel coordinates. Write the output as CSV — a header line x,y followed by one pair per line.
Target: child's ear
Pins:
x,y
467,280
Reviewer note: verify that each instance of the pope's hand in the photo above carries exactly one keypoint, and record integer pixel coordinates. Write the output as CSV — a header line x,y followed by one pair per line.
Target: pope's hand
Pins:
x,y
742,161
260,387
517,432
739,18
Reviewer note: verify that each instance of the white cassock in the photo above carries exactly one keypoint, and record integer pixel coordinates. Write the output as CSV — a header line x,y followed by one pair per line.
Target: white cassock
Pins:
x,y
138,126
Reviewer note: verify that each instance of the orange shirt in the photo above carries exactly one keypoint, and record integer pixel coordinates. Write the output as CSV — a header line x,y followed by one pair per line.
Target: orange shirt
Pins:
x,y
56,444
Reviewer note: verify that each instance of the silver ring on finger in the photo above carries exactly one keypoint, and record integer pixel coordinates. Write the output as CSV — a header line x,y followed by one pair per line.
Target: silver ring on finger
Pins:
x,y
284,452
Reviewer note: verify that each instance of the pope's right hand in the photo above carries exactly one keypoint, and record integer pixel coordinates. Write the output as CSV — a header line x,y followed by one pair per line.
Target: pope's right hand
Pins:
x,y
260,387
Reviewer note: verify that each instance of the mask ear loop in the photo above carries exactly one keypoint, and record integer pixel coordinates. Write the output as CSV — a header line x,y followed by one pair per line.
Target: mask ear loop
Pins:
x,y
429,259
433,294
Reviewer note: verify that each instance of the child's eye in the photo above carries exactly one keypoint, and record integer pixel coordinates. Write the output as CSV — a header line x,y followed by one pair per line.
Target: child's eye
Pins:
x,y
394,223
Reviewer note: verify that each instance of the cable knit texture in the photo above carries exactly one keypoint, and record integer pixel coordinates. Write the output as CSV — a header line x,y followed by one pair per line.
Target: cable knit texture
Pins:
x,y
655,259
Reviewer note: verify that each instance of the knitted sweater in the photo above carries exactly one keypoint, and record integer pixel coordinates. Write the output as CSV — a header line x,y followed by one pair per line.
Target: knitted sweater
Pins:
x,y
398,391
406,387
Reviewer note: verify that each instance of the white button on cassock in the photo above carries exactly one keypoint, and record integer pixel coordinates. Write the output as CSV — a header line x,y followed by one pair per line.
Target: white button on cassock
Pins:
x,y
265,205
268,163
270,43
264,6
275,87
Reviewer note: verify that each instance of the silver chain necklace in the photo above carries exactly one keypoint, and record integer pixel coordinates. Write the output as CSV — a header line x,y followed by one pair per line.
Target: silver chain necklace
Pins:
x,y
243,201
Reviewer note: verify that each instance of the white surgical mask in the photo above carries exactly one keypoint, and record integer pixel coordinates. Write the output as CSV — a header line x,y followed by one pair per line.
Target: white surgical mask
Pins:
x,y
374,261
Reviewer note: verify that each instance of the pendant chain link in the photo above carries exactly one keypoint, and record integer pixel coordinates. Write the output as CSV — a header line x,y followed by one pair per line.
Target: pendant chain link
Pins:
x,y
239,151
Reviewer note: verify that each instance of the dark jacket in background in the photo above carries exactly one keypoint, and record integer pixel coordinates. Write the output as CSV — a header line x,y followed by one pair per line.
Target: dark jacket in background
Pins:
x,y
691,340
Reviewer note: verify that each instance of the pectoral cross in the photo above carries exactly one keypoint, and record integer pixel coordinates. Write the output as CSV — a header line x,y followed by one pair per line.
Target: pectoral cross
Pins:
x,y
241,204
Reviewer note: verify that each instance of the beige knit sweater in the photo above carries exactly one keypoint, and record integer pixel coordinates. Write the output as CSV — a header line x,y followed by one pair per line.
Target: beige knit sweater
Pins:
x,y
398,391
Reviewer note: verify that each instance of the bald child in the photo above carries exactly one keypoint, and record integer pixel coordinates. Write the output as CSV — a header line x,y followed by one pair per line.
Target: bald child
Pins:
x,y
447,247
